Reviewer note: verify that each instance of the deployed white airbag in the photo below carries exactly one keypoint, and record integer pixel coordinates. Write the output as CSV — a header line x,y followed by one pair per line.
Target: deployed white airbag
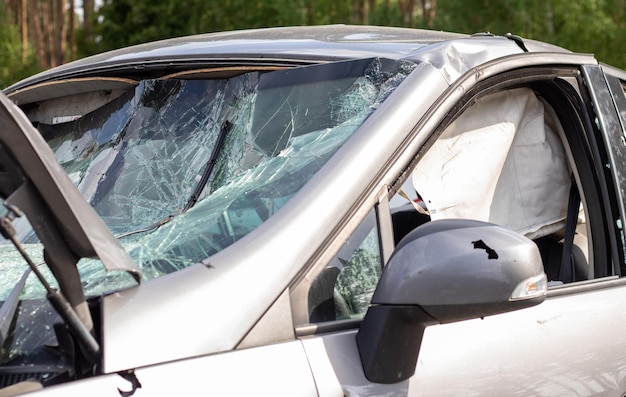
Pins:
x,y
498,162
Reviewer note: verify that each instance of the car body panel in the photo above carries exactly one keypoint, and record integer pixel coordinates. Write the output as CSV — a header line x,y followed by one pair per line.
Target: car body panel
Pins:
x,y
540,361
293,44
219,374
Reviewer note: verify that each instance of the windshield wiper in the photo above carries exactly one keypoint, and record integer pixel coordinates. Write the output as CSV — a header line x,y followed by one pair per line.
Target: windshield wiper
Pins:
x,y
148,228
208,169
195,194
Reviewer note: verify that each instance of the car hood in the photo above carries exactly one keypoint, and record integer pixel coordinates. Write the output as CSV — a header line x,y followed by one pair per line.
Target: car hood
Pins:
x,y
65,224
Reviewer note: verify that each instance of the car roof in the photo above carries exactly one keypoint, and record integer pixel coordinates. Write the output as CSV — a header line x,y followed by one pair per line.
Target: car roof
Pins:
x,y
288,46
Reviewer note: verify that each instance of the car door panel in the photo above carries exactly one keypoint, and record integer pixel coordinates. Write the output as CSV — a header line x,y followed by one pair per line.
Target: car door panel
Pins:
x,y
565,346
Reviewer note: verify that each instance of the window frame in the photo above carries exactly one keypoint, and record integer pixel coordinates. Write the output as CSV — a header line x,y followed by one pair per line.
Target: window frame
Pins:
x,y
564,85
564,89
299,293
616,141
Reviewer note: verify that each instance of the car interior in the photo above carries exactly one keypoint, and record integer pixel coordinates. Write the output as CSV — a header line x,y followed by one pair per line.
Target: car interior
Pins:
x,y
504,160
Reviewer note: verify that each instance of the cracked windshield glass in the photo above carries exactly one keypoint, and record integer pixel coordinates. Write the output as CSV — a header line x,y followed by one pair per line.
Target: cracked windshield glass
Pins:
x,y
180,169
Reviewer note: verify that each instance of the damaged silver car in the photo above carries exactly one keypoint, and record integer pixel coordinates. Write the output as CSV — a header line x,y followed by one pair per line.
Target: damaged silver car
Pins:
x,y
332,210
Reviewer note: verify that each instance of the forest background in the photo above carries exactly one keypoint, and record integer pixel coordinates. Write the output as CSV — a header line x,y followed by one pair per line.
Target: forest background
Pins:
x,y
39,34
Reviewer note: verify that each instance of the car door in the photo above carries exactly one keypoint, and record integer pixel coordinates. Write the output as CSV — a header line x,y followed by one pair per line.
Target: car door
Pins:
x,y
572,343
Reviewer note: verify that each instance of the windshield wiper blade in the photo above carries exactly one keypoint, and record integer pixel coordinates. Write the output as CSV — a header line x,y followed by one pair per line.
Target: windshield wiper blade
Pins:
x,y
9,307
208,169
195,194
148,228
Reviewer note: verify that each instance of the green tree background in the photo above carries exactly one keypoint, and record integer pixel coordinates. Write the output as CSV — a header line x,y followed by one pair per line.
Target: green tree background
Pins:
x,y
590,26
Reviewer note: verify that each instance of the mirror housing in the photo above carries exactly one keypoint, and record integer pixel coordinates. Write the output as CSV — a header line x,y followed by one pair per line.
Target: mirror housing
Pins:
x,y
445,271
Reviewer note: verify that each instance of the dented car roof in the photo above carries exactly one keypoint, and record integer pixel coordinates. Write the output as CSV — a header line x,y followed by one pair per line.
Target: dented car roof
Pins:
x,y
288,46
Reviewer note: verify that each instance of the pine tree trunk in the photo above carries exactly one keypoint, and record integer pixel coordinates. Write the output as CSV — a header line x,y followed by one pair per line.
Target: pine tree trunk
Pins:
x,y
429,8
37,33
406,8
24,28
48,28
371,12
71,29
59,32
88,11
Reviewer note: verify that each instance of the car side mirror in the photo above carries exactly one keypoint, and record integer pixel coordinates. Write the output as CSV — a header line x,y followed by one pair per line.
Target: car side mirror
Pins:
x,y
445,271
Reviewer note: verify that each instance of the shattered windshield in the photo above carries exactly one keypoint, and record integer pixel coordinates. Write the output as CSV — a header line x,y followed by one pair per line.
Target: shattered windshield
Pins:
x,y
180,169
